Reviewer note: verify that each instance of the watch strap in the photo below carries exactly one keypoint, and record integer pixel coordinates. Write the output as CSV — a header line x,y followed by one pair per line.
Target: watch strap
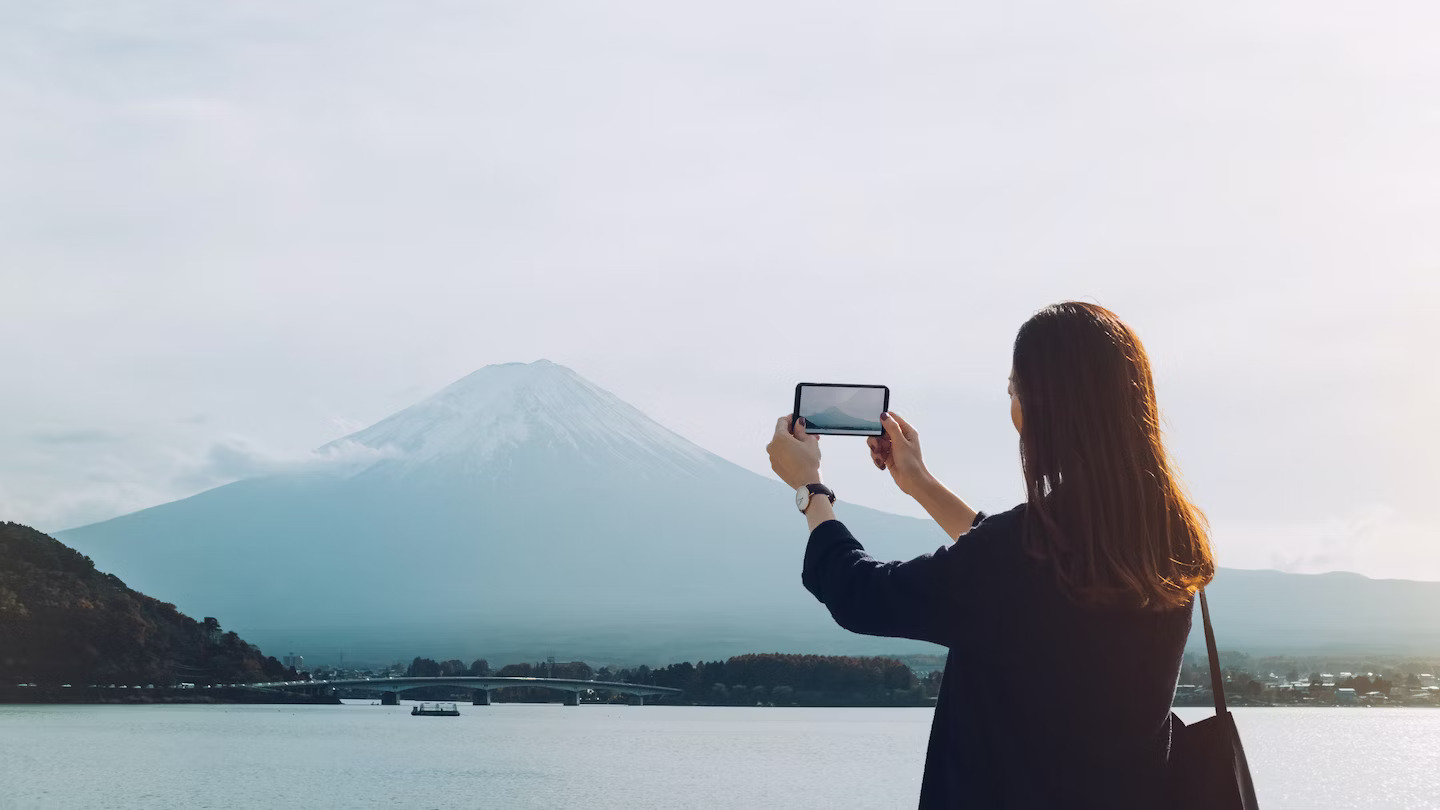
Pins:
x,y
821,489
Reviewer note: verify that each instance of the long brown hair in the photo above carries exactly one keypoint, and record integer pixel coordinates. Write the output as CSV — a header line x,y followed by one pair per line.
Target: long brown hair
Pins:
x,y
1106,508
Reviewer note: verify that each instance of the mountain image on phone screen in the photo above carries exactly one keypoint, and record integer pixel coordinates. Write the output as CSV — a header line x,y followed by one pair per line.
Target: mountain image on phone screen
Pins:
x,y
842,408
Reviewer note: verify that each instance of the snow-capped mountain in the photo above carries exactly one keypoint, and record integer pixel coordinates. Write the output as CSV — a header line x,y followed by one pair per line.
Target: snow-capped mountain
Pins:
x,y
523,511
517,408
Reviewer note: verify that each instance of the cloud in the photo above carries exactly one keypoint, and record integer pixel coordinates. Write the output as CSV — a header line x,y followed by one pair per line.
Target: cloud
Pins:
x,y
82,482
237,458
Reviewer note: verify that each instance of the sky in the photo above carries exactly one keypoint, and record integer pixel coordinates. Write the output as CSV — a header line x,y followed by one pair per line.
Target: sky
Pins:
x,y
231,233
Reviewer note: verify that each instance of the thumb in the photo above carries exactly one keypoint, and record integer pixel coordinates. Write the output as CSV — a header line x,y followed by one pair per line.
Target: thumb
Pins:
x,y
800,433
896,429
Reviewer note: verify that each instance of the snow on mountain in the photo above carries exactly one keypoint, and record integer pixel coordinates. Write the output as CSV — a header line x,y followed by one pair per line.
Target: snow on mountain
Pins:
x,y
499,408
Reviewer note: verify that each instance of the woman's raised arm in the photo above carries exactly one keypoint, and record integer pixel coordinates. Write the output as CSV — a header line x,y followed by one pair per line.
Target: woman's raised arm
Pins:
x,y
899,452
954,515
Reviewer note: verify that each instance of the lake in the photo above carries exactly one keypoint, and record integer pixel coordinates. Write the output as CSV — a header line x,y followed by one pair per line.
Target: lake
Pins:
x,y
594,756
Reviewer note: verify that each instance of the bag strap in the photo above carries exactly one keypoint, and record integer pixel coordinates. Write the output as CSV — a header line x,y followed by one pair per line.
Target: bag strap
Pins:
x,y
1217,681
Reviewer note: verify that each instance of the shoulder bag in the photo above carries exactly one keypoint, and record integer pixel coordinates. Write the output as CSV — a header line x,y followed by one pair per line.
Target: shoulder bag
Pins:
x,y
1207,763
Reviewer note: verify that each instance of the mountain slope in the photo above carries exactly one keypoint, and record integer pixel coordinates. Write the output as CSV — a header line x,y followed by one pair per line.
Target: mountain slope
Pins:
x,y
63,621
523,510
1276,612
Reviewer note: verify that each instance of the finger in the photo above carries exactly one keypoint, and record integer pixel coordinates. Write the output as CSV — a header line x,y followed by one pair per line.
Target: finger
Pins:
x,y
910,431
894,429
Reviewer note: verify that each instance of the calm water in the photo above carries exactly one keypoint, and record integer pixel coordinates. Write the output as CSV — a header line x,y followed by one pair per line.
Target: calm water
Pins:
x,y
359,756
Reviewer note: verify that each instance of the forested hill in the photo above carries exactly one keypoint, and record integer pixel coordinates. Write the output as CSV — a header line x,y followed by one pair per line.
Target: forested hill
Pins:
x,y
62,621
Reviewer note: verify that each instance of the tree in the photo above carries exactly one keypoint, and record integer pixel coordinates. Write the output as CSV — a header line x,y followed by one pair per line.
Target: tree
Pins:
x,y
899,676
1360,684
1292,676
480,667
575,670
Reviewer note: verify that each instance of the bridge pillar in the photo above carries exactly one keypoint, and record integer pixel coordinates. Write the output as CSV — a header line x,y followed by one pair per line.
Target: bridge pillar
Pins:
x,y
389,698
635,700
572,699
482,697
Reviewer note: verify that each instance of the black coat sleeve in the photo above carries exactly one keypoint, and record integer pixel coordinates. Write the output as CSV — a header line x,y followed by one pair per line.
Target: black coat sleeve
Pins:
x,y
925,598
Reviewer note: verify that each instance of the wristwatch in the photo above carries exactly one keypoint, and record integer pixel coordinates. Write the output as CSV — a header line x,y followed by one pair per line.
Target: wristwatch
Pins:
x,y
803,495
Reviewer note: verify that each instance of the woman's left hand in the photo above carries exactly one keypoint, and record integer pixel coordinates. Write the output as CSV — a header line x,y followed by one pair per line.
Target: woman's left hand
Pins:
x,y
795,457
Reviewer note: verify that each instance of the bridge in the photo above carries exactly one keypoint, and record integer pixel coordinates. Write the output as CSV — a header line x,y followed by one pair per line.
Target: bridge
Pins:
x,y
390,688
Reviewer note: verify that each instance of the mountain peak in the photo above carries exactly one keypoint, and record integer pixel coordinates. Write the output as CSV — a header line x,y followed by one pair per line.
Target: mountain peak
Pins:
x,y
503,406
493,379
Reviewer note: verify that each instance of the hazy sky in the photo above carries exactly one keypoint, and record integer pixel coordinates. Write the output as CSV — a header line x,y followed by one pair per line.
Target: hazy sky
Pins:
x,y
230,233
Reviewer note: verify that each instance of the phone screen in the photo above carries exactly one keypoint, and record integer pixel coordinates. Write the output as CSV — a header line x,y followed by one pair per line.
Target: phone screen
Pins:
x,y
841,410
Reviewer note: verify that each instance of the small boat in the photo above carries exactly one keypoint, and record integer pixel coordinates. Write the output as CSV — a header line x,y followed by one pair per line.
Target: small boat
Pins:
x,y
435,710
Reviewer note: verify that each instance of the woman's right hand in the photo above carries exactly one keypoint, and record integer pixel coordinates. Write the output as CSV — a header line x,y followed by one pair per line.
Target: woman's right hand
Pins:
x,y
899,452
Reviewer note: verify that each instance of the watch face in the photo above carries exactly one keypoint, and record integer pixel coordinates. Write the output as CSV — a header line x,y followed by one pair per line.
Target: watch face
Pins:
x,y
802,498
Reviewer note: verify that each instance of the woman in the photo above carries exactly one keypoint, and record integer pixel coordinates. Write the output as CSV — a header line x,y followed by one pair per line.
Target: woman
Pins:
x,y
1066,617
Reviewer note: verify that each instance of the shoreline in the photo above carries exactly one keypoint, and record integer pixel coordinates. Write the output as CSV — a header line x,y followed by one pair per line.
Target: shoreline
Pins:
x,y
246,697
86,696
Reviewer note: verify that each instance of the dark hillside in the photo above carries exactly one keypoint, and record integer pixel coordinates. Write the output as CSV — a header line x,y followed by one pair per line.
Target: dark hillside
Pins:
x,y
62,621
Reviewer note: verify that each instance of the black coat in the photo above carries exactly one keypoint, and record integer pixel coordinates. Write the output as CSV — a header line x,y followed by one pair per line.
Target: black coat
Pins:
x,y
1044,703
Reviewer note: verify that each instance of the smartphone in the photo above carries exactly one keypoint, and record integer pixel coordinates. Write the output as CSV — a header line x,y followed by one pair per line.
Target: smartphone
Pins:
x,y
831,409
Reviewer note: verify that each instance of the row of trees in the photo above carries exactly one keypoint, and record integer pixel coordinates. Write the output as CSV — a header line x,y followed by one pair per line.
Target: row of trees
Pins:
x,y
787,679
769,678
1246,678
430,668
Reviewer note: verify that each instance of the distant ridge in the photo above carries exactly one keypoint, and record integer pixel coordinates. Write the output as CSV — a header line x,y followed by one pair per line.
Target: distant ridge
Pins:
x,y
525,511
